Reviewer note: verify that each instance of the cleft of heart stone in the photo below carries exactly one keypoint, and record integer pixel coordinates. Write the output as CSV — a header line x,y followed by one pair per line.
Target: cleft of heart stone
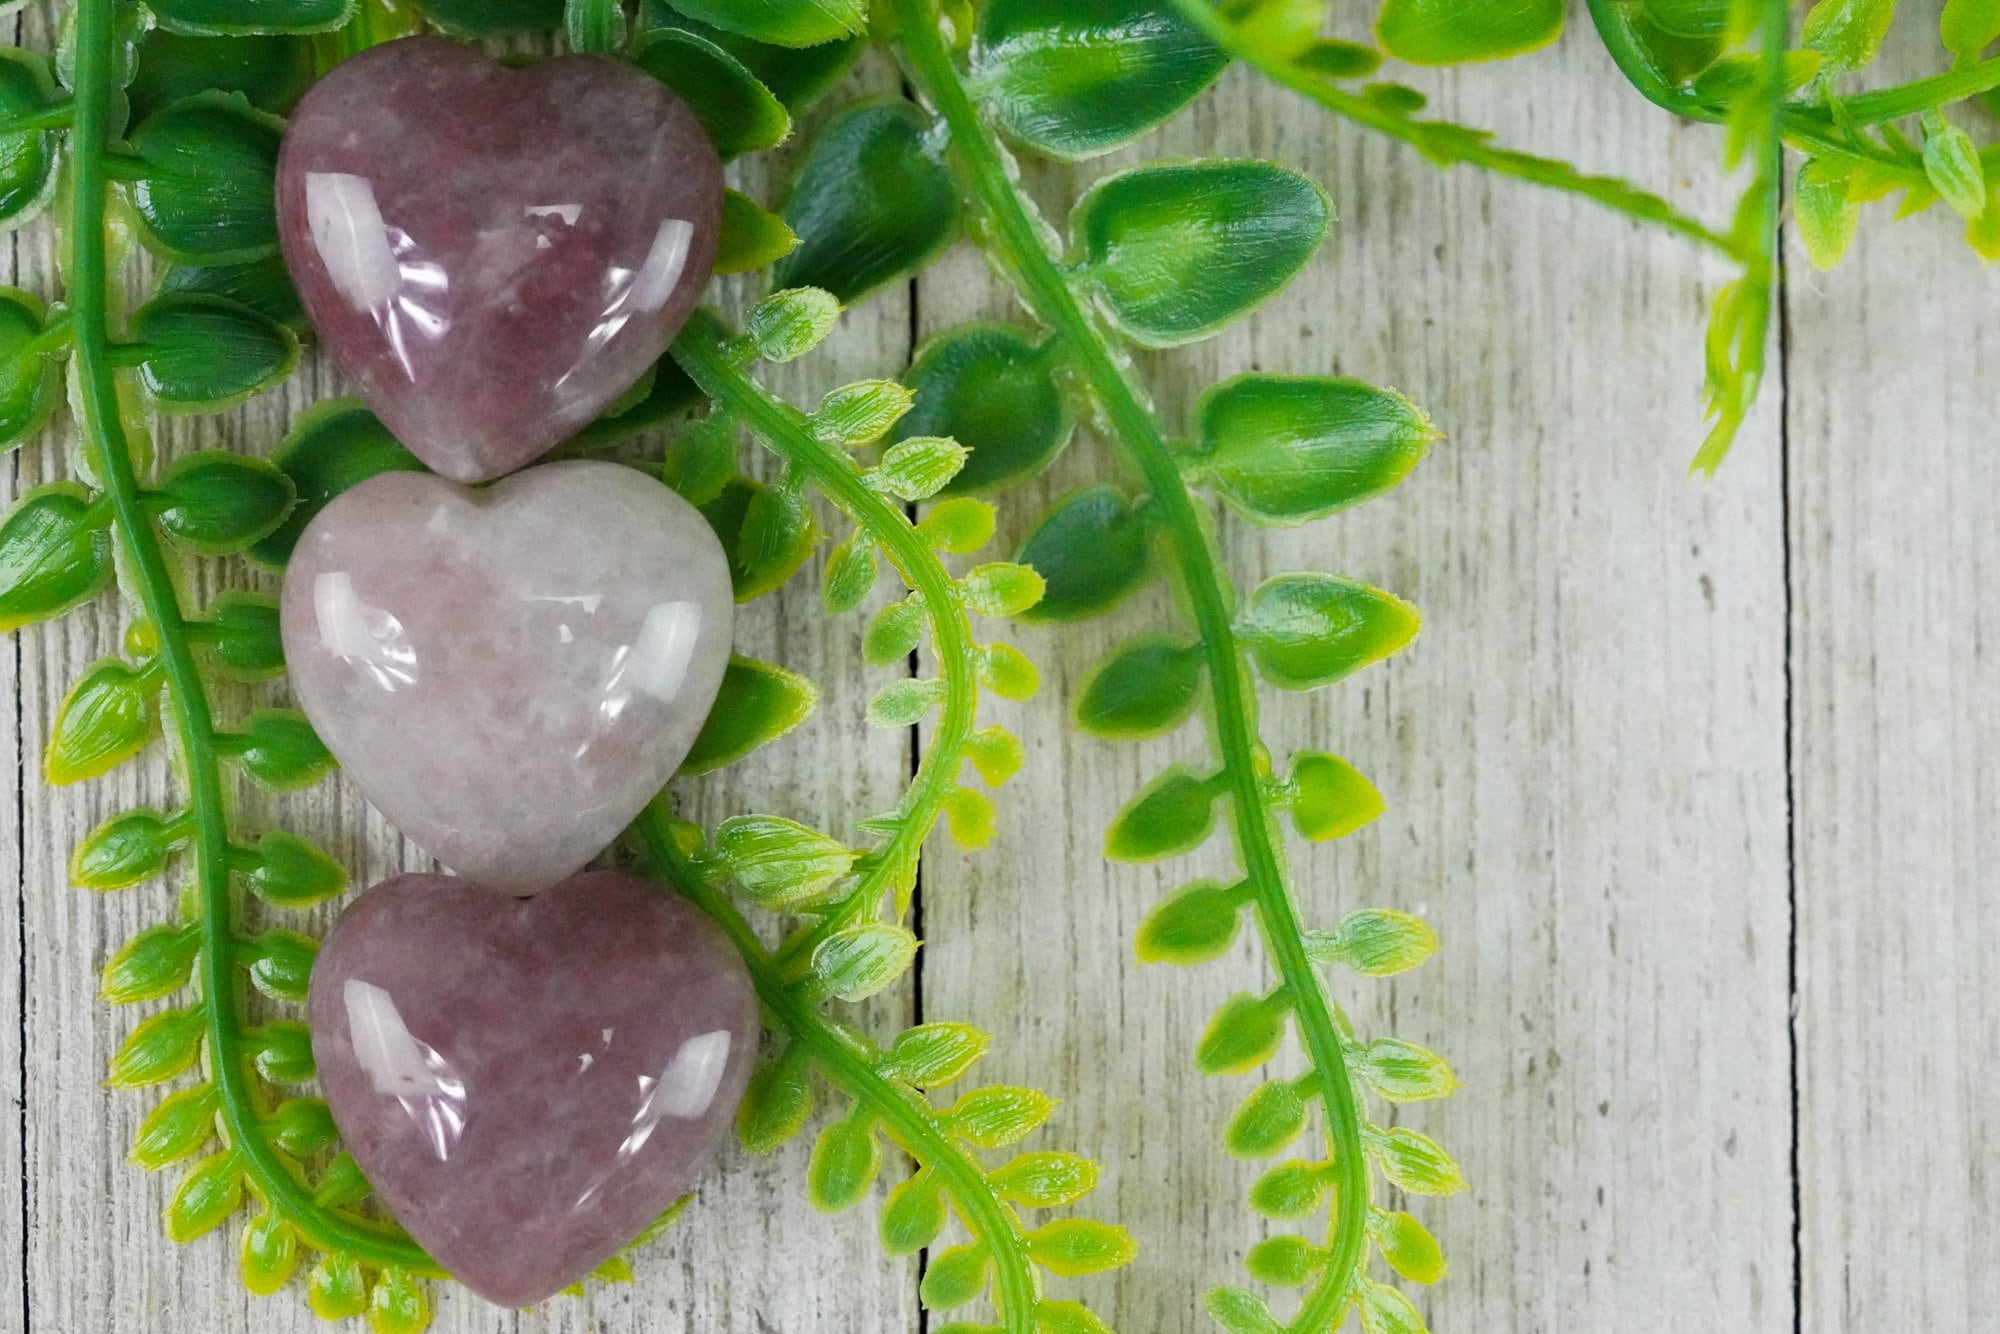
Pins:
x,y
509,674
494,255
528,1083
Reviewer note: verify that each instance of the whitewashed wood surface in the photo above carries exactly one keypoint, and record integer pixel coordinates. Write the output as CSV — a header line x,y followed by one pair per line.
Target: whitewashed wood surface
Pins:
x,y
1692,779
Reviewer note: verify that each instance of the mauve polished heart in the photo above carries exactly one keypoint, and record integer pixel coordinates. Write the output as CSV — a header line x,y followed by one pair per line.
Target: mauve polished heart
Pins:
x,y
494,255
527,1083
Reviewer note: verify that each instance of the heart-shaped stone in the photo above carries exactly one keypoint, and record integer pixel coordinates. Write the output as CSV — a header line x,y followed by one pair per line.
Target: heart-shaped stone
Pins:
x,y
527,1083
493,255
509,674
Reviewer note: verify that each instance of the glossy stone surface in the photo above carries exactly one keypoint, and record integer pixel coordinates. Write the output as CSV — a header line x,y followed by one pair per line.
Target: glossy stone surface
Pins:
x,y
493,255
509,674
528,1083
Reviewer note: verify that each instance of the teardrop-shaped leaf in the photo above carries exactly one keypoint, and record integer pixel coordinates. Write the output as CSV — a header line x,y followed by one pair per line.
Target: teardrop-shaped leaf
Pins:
x,y
782,22
1044,1180
996,753
301,1127
798,75
778,1102
288,872
269,1254
279,749
152,964
1828,219
282,1052
27,159
740,114
30,369
768,532
208,165
1290,1190
332,447
894,631
1091,550
906,702
1008,673
1309,630
758,703
851,572
993,1118
1174,253
1400,1071
1148,686
272,72
1952,162
218,503
870,203
280,964
177,1127
207,353
159,1048
1067,1318
1074,78
1284,1261
1242,1035
54,553
993,390
399,1304
221,18
1414,1161
1193,925
1450,32
954,1277
932,1055
337,1289
1968,27
790,323
1407,1246
860,413
1074,1247
917,468
1241,1312
488,18
752,236
105,720
855,963
1284,449
781,865
242,635
913,1215
1173,814
210,1192
1330,797
1376,942
845,1161
1384,1310
123,851
1001,588
1266,1122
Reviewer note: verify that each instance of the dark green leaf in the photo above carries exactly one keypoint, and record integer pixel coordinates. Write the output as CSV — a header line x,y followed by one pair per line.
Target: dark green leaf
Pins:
x,y
758,703
992,390
28,159
54,553
208,165
1448,32
788,535
155,963
288,872
301,1127
1075,78
282,1052
1193,925
235,17
870,203
242,633
280,964
206,353
30,369
1268,1120
123,851
1173,814
1284,449
271,72
1091,550
105,720
487,18
261,284
798,75
176,1128
279,749
333,446
740,114
1147,686
753,237
1177,252
777,1103
218,503
1307,630
782,22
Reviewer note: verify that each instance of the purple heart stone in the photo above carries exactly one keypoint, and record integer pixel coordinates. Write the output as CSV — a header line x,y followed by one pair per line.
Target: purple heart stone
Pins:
x,y
494,255
527,1083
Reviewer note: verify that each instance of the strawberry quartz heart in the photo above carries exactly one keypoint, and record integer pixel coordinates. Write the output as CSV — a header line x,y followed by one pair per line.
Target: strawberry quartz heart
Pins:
x,y
527,1083
493,255
509,674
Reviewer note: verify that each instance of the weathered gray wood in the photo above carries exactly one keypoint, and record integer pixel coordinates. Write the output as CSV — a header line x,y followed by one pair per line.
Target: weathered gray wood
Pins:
x,y
1584,755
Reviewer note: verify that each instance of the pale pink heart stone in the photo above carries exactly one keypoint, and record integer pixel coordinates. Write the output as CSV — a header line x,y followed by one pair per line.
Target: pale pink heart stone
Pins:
x,y
494,255
509,674
527,1083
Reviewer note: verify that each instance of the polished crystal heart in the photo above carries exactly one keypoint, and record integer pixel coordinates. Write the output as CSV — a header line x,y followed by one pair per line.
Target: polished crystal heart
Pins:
x,y
527,1083
509,674
494,255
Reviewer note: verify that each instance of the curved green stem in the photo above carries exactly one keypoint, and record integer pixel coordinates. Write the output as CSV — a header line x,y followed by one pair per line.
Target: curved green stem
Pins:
x,y
1014,233
703,352
906,1113
193,724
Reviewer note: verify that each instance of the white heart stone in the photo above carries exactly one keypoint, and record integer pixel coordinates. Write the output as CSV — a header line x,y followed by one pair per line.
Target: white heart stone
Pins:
x,y
509,674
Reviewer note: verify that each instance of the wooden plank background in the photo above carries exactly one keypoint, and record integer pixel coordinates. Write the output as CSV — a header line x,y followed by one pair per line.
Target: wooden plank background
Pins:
x,y
1689,776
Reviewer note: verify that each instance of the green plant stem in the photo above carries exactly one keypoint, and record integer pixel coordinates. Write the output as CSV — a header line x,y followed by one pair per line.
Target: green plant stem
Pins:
x,y
193,724
907,1114
1905,99
1014,232
703,351
1549,173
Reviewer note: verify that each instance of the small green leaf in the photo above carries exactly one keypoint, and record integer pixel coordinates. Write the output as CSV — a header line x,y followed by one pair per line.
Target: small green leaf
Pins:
x,y
207,353
342,1184
54,553
860,413
1384,1310
958,525
1147,687
262,285
280,964
1376,942
1091,550
269,1255
768,531
918,467
27,160
1847,34
242,632
1400,1071
1174,253
904,703
1968,27
996,753
845,1162
1268,1120
990,388
30,367
1407,1246
701,460
870,203
1414,1162
615,1270
758,703
782,866
913,1216
855,963
1292,1189
1284,1261
954,1277
1329,797
333,446
301,1127
932,1055
1241,1312
105,720
272,72
778,1102
894,631
219,503
399,1304
1074,1247
1334,59
124,850
1173,814
288,872
208,166
1001,588
490,18
226,18
786,325
970,817
1241,1035
281,1051
1193,925
1044,1180
1007,672
993,1118
1951,161
1285,449
1067,1318
155,963
337,1289
1451,32
1075,78
740,114
1309,630
279,749
782,22
851,572
158,1049
798,75
210,1192
177,1127
752,236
